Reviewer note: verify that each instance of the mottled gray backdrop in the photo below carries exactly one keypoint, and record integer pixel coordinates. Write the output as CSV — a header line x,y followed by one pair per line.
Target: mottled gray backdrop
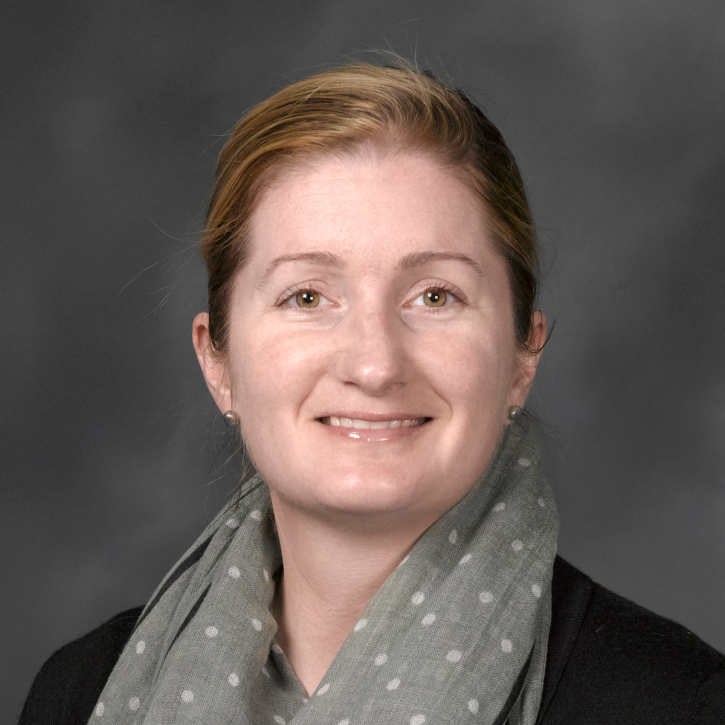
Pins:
x,y
113,113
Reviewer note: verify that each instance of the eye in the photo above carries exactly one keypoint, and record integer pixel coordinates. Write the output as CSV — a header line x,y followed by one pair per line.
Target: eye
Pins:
x,y
434,297
305,298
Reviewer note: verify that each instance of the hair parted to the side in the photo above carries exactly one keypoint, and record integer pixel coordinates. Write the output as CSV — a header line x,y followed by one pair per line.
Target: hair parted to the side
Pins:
x,y
344,110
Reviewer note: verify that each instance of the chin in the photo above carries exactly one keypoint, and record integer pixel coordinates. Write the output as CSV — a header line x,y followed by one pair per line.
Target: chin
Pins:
x,y
360,493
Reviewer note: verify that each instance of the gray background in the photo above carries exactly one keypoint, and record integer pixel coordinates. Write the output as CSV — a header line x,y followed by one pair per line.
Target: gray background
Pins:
x,y
113,113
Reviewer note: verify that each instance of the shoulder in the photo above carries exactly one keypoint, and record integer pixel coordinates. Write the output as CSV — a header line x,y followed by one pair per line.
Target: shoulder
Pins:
x,y
611,660
66,688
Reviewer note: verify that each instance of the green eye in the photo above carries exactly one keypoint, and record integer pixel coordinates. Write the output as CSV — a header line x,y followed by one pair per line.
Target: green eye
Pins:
x,y
435,298
307,298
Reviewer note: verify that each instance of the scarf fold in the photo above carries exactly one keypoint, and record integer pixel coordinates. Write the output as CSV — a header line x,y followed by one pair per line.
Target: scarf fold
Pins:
x,y
457,633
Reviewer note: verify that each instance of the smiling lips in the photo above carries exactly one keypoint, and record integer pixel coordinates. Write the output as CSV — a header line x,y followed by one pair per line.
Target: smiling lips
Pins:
x,y
359,424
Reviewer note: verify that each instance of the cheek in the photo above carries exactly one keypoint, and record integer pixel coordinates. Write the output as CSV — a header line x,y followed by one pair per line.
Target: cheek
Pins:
x,y
471,369
275,371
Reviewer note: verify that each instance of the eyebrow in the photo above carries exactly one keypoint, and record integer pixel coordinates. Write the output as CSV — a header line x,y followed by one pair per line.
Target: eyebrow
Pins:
x,y
417,259
327,259
323,259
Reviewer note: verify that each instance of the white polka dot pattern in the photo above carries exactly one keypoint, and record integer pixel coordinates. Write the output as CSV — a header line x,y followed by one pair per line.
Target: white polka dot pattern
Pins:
x,y
424,650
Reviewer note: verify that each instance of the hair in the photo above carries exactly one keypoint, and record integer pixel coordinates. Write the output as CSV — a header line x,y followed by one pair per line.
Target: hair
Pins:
x,y
344,111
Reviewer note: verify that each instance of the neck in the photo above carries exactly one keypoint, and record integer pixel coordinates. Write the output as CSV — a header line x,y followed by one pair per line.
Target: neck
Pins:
x,y
330,575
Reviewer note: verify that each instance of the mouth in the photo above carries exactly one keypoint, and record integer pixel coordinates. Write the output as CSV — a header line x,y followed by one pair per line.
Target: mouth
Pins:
x,y
361,424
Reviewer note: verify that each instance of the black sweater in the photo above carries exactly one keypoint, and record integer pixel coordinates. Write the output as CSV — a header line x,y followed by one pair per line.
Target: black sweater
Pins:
x,y
610,662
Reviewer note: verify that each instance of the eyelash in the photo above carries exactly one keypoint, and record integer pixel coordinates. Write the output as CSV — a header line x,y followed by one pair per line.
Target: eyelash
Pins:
x,y
307,287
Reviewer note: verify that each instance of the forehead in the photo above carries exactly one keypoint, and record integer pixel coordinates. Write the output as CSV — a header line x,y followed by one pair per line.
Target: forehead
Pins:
x,y
374,207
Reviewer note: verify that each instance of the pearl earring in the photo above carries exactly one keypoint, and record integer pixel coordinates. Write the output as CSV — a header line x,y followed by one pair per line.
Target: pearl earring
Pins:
x,y
515,412
231,418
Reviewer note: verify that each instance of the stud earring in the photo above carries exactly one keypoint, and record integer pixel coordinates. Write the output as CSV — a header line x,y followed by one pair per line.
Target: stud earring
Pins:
x,y
515,412
231,418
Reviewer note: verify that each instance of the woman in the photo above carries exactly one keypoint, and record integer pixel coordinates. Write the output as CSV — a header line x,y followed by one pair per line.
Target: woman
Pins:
x,y
371,332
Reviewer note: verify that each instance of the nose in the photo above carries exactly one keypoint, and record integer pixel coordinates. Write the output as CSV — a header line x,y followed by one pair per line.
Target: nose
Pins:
x,y
372,350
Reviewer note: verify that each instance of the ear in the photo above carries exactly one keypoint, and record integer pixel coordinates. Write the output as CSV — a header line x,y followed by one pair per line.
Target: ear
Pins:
x,y
528,362
212,363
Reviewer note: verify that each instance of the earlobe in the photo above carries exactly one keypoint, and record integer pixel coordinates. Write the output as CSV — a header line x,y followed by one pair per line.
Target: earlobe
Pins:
x,y
211,362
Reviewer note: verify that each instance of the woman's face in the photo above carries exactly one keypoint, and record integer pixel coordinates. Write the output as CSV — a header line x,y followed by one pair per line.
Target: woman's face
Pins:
x,y
372,357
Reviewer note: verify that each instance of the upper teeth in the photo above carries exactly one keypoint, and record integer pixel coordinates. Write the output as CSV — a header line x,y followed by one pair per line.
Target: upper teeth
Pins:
x,y
369,425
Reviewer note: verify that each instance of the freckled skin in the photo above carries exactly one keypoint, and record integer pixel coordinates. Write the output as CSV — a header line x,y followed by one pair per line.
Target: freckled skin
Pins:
x,y
370,343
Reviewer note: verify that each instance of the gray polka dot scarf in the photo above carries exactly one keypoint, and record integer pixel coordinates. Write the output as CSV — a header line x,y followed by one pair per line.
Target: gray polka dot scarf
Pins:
x,y
457,634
